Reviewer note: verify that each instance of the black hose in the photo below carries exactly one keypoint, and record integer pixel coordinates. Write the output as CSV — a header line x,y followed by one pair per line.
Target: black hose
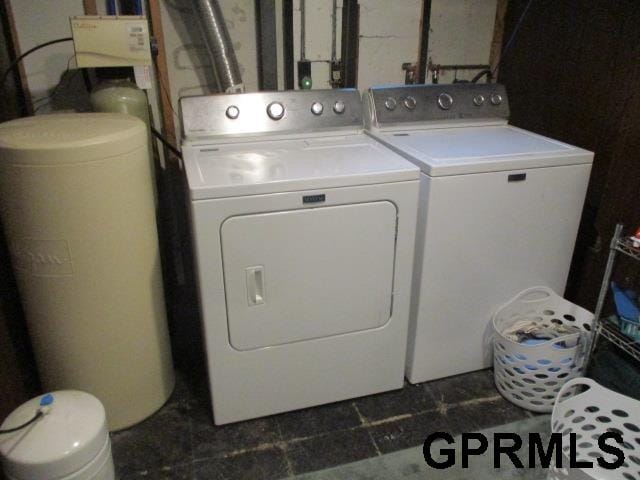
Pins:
x,y
26,424
514,33
166,142
87,80
481,74
17,61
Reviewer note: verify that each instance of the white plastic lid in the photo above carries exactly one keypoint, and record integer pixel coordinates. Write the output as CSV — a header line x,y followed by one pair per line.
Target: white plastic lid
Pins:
x,y
64,138
58,444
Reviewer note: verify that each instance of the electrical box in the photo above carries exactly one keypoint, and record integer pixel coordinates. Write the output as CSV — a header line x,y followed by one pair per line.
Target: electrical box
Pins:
x,y
111,41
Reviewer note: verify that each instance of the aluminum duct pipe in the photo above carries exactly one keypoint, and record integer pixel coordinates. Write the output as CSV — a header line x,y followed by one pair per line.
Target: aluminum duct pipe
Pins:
x,y
218,42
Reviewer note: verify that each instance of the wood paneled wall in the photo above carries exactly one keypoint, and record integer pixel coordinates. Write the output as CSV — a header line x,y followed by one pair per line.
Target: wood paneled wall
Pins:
x,y
18,380
573,73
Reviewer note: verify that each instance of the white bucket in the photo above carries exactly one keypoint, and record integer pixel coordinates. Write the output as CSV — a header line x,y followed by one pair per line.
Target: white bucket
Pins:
x,y
69,442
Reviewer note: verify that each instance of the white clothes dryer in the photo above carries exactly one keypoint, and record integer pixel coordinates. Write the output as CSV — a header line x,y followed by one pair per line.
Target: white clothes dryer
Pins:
x,y
303,230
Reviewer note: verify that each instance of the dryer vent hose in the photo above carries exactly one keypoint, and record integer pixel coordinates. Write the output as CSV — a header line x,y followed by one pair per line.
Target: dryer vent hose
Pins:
x,y
219,44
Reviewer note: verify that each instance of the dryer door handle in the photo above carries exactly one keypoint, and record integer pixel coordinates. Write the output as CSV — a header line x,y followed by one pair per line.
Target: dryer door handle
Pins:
x,y
255,285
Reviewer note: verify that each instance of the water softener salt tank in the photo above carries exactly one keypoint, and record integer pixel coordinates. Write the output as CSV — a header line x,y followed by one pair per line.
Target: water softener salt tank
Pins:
x,y
77,207
122,96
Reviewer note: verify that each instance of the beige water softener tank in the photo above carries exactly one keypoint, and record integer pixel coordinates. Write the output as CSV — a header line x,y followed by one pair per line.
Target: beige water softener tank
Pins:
x,y
76,203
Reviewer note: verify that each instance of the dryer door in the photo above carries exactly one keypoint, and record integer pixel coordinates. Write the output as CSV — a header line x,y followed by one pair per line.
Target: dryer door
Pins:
x,y
304,274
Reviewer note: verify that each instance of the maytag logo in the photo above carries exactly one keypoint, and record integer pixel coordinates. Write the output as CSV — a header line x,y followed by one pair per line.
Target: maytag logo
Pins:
x,y
319,198
42,257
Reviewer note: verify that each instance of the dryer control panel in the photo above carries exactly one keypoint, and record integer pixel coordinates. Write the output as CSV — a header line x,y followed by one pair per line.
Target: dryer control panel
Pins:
x,y
299,111
423,103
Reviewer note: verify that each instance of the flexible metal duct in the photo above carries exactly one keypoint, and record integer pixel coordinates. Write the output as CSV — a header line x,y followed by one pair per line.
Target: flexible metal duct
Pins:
x,y
219,44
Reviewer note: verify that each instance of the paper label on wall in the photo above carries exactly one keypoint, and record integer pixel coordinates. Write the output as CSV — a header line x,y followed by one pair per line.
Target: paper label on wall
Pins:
x,y
142,74
137,37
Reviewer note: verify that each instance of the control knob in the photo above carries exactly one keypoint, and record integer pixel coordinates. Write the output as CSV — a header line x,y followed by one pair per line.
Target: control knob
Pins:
x,y
478,100
445,101
390,103
495,98
317,108
275,110
409,103
232,112
339,107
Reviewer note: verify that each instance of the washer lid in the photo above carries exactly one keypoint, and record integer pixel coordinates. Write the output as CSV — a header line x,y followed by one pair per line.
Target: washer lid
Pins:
x,y
477,149
274,166
67,438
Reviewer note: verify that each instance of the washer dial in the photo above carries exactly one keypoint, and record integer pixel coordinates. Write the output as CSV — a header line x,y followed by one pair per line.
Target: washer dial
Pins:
x,y
339,107
232,112
317,108
409,102
496,99
275,110
390,103
445,101
478,100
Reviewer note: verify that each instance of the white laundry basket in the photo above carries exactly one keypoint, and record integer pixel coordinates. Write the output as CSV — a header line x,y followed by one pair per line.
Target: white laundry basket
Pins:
x,y
589,414
531,376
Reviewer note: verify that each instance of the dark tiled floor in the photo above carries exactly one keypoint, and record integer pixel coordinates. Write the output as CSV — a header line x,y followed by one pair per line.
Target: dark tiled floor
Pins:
x,y
462,388
180,441
328,450
317,421
408,431
408,401
269,462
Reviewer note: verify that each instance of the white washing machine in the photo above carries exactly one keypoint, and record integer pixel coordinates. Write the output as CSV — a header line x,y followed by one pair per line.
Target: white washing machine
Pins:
x,y
304,233
499,211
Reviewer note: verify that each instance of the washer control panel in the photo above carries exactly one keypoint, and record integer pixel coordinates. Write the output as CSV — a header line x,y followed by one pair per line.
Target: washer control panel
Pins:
x,y
271,112
422,103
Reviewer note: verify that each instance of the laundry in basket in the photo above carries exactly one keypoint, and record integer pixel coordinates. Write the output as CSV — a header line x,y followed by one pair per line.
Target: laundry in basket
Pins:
x,y
535,332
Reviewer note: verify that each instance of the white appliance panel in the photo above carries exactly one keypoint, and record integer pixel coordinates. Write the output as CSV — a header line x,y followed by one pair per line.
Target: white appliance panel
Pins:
x,y
264,381
303,274
469,149
304,232
481,239
286,165
478,143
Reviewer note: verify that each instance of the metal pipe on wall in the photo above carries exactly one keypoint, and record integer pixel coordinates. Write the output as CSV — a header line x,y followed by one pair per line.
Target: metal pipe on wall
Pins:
x,y
219,44
350,43
303,26
425,25
287,48
112,7
334,26
267,44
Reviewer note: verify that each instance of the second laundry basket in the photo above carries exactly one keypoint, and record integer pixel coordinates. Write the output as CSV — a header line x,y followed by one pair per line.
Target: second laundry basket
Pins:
x,y
586,416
